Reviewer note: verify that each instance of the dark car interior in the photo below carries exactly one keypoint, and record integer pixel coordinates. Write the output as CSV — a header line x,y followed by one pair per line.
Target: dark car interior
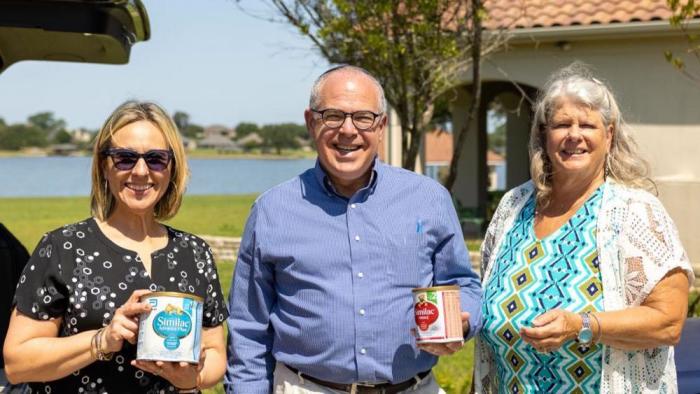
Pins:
x,y
91,31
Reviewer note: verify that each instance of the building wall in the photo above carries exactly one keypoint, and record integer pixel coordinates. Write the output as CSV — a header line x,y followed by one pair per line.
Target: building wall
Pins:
x,y
661,106
648,88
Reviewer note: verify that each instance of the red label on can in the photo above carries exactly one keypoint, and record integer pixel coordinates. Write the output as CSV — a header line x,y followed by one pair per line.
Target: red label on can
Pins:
x,y
426,314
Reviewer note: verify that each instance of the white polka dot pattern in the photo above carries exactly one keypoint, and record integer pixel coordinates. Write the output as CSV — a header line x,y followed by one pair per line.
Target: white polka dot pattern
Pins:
x,y
79,275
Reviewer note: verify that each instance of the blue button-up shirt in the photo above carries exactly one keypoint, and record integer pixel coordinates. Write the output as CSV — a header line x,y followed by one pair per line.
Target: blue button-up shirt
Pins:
x,y
323,283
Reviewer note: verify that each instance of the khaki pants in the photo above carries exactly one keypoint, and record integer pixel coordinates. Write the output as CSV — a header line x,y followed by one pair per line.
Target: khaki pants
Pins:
x,y
288,382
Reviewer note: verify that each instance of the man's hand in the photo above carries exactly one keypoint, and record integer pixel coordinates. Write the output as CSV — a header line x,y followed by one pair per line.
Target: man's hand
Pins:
x,y
445,349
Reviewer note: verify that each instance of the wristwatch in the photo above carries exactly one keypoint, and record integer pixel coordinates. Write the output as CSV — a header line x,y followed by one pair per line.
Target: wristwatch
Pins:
x,y
585,335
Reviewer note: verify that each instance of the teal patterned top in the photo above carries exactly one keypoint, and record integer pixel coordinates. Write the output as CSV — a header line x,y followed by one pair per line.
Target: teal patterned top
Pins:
x,y
532,276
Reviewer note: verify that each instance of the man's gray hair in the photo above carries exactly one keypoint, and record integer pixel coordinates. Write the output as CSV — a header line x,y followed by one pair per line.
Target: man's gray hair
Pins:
x,y
315,98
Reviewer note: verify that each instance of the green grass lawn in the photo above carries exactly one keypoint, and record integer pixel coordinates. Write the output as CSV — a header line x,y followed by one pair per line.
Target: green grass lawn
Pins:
x,y
29,218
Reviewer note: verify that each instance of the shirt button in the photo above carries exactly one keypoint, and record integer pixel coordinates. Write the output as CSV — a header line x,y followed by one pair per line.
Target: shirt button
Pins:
x,y
352,206
363,351
357,238
362,312
360,275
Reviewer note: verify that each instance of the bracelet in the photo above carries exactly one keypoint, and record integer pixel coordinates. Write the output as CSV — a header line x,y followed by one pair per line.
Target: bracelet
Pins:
x,y
93,345
600,328
96,347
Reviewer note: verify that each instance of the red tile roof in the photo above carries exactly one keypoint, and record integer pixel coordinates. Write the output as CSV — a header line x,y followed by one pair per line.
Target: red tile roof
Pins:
x,y
518,14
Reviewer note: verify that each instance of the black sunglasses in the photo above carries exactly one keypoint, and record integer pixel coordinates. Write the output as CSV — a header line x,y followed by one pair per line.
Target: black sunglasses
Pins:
x,y
125,159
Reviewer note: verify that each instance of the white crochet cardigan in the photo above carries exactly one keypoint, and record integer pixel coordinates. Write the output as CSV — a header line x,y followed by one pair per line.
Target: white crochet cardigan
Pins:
x,y
637,245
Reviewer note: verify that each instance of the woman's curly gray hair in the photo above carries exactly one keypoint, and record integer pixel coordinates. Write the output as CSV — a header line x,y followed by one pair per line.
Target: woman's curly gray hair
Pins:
x,y
623,163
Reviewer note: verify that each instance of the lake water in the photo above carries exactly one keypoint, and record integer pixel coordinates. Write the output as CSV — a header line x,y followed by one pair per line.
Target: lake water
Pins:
x,y
70,176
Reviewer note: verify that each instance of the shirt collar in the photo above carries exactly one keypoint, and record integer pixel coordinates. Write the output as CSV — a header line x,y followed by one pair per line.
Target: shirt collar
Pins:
x,y
323,180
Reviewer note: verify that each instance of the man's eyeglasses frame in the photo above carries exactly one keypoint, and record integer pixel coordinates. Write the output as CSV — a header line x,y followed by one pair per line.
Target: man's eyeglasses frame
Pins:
x,y
345,116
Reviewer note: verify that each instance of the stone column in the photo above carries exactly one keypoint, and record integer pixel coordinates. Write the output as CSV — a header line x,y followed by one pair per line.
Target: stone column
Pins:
x,y
517,135
392,140
471,184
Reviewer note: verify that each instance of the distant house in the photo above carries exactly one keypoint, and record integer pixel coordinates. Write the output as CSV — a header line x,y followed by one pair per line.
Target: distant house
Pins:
x,y
497,170
189,143
219,142
218,137
438,154
219,130
81,135
250,141
64,149
304,144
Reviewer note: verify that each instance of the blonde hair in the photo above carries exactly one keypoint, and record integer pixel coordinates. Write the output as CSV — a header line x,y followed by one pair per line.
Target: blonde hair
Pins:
x,y
102,200
623,163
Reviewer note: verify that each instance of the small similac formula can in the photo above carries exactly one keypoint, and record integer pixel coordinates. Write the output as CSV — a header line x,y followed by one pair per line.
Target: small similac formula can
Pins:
x,y
437,313
172,330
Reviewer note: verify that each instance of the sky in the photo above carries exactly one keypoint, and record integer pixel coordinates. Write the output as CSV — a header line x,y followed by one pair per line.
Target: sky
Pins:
x,y
205,57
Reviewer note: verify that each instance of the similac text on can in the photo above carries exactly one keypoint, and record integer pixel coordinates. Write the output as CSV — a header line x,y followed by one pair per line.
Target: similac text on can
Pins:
x,y
172,330
437,314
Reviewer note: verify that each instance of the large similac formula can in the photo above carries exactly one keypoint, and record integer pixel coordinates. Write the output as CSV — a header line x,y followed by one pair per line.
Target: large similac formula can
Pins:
x,y
172,330
437,314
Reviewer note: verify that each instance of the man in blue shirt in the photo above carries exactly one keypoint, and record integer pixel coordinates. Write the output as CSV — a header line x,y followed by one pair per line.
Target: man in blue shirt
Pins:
x,y
321,298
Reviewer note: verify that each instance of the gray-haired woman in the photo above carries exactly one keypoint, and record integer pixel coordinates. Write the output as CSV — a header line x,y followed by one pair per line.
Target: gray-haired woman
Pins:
x,y
585,279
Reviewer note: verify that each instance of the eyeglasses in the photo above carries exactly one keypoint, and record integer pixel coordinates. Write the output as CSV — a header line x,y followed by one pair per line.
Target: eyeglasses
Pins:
x,y
334,118
125,159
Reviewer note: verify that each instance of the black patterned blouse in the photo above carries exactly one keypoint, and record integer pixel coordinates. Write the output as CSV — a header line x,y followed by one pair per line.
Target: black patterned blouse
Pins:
x,y
78,274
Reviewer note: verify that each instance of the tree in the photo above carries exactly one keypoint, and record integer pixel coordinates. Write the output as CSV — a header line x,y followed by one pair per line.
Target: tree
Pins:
x,y
418,49
187,129
47,123
497,137
193,131
182,120
281,136
685,12
18,136
246,128
475,51
62,137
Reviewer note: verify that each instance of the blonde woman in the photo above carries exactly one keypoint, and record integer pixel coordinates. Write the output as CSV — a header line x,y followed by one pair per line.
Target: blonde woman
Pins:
x,y
75,320
585,280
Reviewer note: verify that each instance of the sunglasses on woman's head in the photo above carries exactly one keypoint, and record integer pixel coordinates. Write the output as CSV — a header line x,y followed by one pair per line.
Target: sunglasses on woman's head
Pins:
x,y
126,159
